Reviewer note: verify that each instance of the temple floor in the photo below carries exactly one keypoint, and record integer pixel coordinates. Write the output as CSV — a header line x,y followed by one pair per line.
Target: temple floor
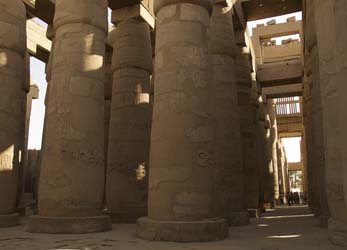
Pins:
x,y
281,229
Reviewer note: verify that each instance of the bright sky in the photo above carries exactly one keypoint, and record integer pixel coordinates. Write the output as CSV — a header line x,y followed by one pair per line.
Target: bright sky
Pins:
x,y
293,148
37,70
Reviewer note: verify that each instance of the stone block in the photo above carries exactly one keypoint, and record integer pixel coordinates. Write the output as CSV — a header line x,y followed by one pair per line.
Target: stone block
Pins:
x,y
137,11
69,225
182,231
9,220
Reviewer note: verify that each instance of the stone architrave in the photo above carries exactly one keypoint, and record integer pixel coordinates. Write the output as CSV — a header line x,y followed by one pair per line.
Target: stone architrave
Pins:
x,y
229,173
12,106
130,125
183,138
72,166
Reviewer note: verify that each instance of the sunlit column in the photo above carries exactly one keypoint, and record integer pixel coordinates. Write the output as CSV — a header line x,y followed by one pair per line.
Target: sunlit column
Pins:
x,y
183,137
12,106
72,166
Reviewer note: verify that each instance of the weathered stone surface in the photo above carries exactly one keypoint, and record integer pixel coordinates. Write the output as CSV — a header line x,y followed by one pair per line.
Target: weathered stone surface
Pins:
x,y
69,225
273,139
247,103
130,125
72,166
270,175
12,106
178,231
9,220
228,177
183,137
331,42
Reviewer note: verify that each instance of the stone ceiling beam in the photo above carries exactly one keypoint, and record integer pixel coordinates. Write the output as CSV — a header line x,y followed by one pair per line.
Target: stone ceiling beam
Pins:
x,y
260,9
43,9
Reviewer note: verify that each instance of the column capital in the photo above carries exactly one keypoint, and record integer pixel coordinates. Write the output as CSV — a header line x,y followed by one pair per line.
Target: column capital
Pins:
x,y
92,12
158,4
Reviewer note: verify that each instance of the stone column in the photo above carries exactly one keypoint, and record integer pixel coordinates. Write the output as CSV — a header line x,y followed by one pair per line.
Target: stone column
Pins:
x,y
248,135
268,176
181,180
12,106
130,125
72,166
261,152
332,46
107,106
258,121
229,172
312,194
312,65
281,175
271,108
304,164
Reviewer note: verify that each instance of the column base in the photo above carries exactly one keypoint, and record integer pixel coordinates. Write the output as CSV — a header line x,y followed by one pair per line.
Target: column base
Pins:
x,y
69,225
237,219
254,213
337,232
125,216
269,205
9,220
182,231
323,220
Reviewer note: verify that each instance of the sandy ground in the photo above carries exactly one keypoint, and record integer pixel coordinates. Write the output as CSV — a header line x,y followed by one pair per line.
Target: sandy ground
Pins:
x,y
291,228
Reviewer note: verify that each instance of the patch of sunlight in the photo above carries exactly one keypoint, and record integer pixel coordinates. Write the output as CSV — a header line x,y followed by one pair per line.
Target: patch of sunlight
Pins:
x,y
263,225
284,236
6,159
288,216
3,59
84,248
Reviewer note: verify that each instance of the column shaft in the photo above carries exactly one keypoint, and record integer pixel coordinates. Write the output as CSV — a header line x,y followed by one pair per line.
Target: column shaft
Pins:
x,y
332,46
183,137
248,135
12,106
229,174
274,138
130,126
72,166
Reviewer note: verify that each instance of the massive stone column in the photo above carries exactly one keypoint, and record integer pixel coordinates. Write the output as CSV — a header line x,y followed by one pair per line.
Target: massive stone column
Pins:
x,y
107,106
229,173
332,49
130,125
181,178
247,129
313,200
312,65
72,166
261,152
273,149
282,171
12,105
269,198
